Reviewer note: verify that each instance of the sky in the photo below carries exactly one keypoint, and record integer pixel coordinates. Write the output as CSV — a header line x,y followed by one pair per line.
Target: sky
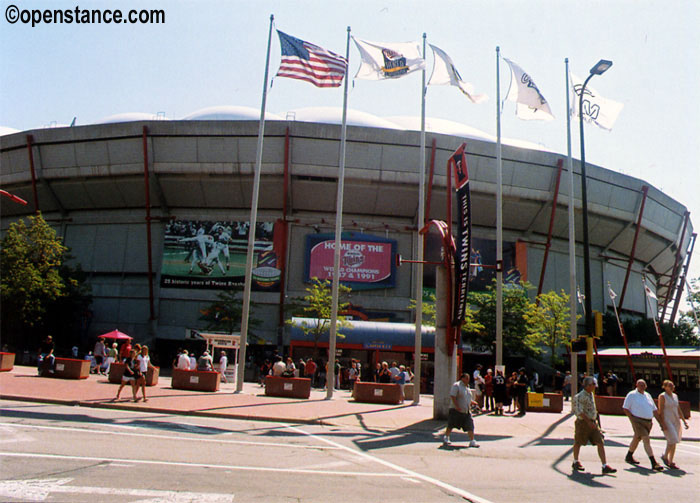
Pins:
x,y
210,53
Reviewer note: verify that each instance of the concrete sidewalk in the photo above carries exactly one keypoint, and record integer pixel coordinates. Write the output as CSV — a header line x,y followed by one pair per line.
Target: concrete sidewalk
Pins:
x,y
22,383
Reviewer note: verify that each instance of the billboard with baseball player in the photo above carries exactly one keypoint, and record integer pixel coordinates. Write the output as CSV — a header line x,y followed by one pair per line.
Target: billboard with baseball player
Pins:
x,y
212,254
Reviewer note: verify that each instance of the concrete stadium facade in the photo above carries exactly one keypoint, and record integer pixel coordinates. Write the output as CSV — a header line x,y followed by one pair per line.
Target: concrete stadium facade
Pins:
x,y
90,185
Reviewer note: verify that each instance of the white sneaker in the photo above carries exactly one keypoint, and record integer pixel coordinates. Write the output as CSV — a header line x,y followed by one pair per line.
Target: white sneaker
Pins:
x,y
473,444
446,440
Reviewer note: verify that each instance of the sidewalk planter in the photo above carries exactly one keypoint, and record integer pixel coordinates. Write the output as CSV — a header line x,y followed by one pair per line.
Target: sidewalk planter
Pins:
x,y
69,368
408,391
545,402
291,387
196,380
613,405
7,361
371,392
116,371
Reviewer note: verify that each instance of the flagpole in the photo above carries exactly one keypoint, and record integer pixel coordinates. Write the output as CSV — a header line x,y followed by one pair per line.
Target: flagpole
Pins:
x,y
330,373
622,333
572,241
499,218
692,304
420,241
240,374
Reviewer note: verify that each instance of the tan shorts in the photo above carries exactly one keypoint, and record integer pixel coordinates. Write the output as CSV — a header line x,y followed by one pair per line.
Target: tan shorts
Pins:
x,y
641,427
584,433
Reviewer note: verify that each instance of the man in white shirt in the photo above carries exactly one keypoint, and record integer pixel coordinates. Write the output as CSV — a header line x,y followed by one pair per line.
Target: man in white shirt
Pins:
x,y
223,363
641,409
459,415
183,361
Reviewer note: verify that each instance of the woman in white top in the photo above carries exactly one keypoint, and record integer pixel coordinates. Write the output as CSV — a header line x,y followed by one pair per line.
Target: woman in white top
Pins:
x,y
144,362
670,415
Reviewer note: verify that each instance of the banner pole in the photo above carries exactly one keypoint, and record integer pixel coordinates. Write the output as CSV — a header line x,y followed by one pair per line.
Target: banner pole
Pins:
x,y
330,373
624,336
499,218
420,245
572,241
252,225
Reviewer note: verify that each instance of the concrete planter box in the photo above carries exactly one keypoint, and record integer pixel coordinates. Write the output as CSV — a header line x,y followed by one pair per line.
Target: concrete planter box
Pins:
x,y
69,368
370,392
196,380
292,387
613,405
116,371
551,402
7,361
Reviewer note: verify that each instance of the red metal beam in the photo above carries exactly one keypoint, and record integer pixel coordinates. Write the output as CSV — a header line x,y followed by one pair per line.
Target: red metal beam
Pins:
x,y
30,140
681,283
676,265
147,188
560,166
645,191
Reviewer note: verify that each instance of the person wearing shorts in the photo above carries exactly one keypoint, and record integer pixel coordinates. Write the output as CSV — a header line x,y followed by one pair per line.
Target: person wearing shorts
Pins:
x,y
459,415
585,428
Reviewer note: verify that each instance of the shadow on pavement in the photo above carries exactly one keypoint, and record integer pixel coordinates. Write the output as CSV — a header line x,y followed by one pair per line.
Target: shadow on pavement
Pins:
x,y
549,430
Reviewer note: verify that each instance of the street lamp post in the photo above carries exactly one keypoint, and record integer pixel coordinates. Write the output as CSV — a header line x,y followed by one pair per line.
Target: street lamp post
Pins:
x,y
599,68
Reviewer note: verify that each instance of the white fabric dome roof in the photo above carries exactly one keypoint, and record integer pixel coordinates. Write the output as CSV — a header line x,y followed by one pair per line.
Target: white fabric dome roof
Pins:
x,y
130,117
334,115
230,113
444,126
7,130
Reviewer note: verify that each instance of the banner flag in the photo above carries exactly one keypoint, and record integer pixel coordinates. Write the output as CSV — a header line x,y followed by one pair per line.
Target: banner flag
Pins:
x,y
458,160
445,73
382,61
305,61
530,103
596,109
612,294
649,293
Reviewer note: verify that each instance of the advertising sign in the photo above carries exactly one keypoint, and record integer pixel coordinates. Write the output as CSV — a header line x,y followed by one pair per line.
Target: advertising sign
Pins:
x,y
463,242
366,261
212,255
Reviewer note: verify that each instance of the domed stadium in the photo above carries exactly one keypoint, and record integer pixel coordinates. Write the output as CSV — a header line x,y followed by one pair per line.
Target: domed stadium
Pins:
x,y
89,183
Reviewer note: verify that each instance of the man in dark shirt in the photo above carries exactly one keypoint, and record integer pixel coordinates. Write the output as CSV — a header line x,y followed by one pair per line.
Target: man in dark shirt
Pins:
x,y
521,388
46,356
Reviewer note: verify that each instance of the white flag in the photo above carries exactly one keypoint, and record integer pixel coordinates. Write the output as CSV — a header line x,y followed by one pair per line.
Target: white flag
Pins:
x,y
612,294
596,109
649,293
445,73
530,104
382,61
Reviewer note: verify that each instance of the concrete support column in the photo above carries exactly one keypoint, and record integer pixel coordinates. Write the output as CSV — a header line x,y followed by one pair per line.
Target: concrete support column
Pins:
x,y
445,365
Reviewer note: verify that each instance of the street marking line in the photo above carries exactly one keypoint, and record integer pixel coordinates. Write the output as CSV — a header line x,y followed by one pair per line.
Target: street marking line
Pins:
x,y
170,437
39,490
200,465
405,471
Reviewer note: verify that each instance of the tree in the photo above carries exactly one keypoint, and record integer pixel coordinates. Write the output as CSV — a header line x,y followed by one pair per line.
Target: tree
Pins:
x,y
429,312
31,258
316,305
38,289
224,314
515,304
548,322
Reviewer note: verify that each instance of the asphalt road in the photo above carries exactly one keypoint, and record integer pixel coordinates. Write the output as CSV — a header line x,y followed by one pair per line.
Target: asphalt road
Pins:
x,y
74,454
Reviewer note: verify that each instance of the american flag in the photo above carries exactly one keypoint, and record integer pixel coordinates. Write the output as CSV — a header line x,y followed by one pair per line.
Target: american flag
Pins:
x,y
305,61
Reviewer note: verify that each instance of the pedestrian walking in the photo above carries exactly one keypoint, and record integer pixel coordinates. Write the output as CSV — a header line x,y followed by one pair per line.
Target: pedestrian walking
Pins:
x,y
459,415
585,428
520,385
567,385
223,364
641,409
671,416
143,361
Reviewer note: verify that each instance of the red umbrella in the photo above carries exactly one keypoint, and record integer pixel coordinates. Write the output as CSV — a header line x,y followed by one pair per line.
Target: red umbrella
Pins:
x,y
115,334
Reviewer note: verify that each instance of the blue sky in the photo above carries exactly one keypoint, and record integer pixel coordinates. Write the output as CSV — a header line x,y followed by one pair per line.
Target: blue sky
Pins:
x,y
213,52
